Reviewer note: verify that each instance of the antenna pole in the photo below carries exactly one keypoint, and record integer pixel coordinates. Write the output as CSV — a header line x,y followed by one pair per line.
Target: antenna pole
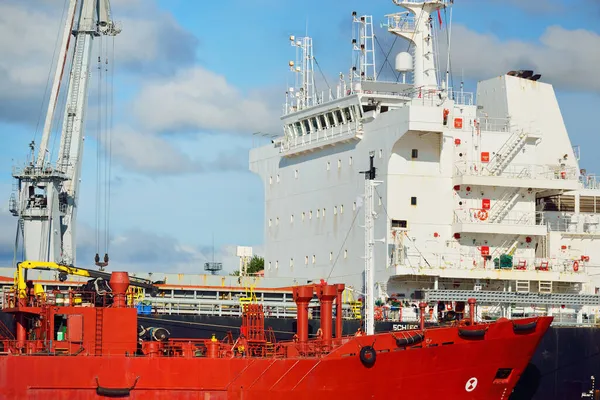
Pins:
x,y
449,45
370,184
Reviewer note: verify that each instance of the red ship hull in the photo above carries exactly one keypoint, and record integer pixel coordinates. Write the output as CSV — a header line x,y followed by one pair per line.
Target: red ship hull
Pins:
x,y
445,365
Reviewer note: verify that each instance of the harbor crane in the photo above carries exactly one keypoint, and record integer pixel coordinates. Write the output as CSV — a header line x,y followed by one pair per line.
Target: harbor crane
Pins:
x,y
46,193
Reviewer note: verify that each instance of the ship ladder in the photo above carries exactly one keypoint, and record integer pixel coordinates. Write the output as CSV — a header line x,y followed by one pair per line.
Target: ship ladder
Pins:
x,y
99,325
270,343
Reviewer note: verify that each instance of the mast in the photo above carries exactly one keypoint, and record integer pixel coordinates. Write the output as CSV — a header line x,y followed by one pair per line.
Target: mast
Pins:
x,y
416,26
48,194
369,278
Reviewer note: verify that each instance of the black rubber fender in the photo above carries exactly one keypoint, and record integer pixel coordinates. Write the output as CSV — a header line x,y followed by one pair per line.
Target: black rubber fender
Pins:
x,y
368,356
405,341
524,328
472,333
114,392
109,392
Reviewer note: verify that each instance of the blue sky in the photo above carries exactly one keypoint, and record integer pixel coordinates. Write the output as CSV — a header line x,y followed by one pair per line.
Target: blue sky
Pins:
x,y
195,79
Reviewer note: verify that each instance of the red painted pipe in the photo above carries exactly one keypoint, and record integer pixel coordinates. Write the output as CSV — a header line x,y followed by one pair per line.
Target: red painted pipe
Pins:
x,y
302,296
338,310
472,310
21,330
422,306
326,294
119,282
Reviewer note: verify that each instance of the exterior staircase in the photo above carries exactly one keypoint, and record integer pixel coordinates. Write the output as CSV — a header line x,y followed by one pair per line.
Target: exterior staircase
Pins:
x,y
503,205
506,153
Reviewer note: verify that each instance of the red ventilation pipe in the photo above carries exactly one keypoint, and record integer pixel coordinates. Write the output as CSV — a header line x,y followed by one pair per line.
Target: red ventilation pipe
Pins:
x,y
471,302
326,294
338,310
302,296
119,282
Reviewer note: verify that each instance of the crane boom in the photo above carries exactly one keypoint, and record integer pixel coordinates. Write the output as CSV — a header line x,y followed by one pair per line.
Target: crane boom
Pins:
x,y
22,267
47,195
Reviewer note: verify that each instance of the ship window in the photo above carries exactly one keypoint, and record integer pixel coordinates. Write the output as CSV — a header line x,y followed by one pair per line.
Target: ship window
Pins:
x,y
334,210
278,178
306,260
276,264
292,218
345,253
314,259
330,119
339,164
341,209
296,174
303,216
306,126
318,212
379,201
354,206
331,256
413,201
350,161
322,121
271,180
270,222
315,125
399,223
269,264
415,153
291,263
298,128
310,214
277,221
338,116
323,212
328,165
348,114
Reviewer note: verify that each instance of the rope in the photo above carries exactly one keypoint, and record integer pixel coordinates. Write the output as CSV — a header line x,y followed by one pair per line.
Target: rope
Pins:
x,y
387,57
343,244
109,144
98,151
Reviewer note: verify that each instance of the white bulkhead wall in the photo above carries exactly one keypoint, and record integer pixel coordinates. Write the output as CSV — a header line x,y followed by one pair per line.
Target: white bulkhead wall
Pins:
x,y
531,105
314,186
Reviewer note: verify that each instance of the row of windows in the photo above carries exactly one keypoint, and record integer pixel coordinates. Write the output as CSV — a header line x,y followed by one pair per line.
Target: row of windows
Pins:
x,y
414,155
306,260
320,212
297,172
323,121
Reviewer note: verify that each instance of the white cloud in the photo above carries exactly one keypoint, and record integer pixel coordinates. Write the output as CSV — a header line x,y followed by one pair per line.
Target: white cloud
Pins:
x,y
149,152
565,58
151,41
198,99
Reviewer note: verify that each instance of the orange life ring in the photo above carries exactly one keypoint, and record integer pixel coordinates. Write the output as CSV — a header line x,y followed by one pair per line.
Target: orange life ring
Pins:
x,y
449,306
319,333
482,215
575,266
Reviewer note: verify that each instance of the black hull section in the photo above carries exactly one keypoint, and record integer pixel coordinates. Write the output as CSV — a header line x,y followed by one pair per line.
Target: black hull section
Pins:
x,y
560,369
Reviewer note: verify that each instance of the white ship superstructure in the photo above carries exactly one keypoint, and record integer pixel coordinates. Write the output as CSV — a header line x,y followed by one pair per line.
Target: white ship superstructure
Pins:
x,y
476,194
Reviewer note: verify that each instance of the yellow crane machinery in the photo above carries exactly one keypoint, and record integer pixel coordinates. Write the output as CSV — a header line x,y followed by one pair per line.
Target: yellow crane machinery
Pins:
x,y
65,270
